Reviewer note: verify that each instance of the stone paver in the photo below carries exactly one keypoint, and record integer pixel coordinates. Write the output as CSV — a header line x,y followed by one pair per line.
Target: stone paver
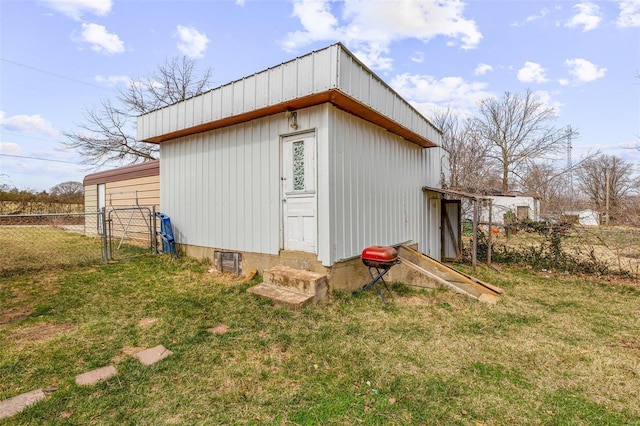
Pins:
x,y
153,355
94,376
14,405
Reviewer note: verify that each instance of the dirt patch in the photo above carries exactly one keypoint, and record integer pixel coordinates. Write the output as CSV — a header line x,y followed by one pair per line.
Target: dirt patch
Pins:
x,y
12,315
147,322
417,300
218,329
126,352
630,344
39,333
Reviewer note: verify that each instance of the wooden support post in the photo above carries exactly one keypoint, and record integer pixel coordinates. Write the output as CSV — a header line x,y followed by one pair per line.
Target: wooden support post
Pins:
x,y
474,250
490,234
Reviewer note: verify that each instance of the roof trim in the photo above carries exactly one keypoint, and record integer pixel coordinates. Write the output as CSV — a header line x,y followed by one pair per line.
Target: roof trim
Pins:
x,y
456,193
333,96
146,169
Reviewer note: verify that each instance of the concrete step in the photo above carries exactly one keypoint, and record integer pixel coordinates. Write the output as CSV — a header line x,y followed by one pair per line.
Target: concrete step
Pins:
x,y
291,287
281,296
305,282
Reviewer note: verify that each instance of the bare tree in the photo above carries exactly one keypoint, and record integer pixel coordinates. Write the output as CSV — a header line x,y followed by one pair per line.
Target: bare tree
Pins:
x,y
469,167
107,133
173,81
519,130
608,182
549,184
70,191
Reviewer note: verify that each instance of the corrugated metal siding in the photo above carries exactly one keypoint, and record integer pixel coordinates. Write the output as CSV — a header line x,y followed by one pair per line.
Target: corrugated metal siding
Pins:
x,y
90,206
358,82
376,181
144,191
317,72
300,77
222,188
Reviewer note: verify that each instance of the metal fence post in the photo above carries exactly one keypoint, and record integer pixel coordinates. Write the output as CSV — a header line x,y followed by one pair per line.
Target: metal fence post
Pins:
x,y
155,230
102,217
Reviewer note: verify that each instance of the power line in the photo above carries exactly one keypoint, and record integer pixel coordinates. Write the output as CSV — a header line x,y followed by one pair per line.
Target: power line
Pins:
x,y
54,74
28,137
38,158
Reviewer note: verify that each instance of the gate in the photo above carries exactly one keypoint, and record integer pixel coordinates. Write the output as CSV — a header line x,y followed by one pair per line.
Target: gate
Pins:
x,y
129,232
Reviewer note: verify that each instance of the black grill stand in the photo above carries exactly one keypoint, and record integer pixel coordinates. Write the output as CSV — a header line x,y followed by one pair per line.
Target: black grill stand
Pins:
x,y
381,270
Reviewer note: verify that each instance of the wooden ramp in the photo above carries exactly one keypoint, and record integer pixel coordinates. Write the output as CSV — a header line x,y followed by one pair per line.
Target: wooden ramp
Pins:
x,y
449,277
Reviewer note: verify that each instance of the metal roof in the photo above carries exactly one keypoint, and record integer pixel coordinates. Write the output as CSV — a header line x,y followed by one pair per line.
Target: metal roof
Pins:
x,y
149,168
332,74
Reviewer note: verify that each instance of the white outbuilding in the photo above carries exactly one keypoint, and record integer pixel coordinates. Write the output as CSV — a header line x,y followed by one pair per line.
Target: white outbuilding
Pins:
x,y
303,164
510,207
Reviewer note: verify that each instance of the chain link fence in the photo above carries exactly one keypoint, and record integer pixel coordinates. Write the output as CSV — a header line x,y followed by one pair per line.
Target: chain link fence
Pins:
x,y
46,241
564,247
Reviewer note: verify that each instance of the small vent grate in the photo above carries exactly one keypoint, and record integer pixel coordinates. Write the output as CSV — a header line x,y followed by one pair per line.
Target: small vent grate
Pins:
x,y
228,262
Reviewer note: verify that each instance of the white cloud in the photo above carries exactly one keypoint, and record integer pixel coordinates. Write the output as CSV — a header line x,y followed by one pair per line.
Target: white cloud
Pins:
x,y
482,69
417,57
427,93
588,17
240,2
74,9
100,39
629,14
583,70
532,72
27,124
546,99
544,12
369,27
10,148
318,23
192,42
113,79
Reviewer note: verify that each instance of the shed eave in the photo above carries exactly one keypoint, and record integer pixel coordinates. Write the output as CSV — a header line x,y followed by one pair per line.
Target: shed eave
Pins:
x,y
148,168
333,96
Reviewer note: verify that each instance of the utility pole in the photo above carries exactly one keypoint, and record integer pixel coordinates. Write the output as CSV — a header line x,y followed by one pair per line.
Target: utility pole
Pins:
x,y
569,133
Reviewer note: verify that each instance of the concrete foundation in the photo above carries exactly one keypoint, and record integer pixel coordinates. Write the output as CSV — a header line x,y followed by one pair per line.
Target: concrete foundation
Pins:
x,y
346,275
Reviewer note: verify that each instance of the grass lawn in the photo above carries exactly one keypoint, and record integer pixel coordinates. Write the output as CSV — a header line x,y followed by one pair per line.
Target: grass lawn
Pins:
x,y
556,350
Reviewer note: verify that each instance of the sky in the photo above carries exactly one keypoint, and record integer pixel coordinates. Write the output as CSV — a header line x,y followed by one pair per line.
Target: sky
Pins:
x,y
62,58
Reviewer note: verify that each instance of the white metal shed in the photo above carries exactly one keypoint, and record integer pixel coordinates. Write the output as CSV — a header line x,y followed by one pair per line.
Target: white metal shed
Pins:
x,y
518,206
316,156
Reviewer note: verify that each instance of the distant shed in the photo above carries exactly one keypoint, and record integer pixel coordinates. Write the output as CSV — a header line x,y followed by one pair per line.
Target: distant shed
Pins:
x,y
137,185
517,206
584,217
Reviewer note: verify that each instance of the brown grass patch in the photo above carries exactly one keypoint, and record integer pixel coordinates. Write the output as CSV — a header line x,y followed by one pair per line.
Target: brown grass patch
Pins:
x,y
12,315
630,344
417,300
229,278
39,333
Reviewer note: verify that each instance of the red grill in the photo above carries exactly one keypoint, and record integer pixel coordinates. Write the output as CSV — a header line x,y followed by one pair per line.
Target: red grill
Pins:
x,y
379,256
379,259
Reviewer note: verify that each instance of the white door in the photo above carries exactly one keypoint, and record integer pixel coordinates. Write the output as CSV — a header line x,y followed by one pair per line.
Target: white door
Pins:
x,y
299,224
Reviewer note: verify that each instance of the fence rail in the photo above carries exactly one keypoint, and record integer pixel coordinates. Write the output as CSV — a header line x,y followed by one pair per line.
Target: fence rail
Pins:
x,y
44,241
